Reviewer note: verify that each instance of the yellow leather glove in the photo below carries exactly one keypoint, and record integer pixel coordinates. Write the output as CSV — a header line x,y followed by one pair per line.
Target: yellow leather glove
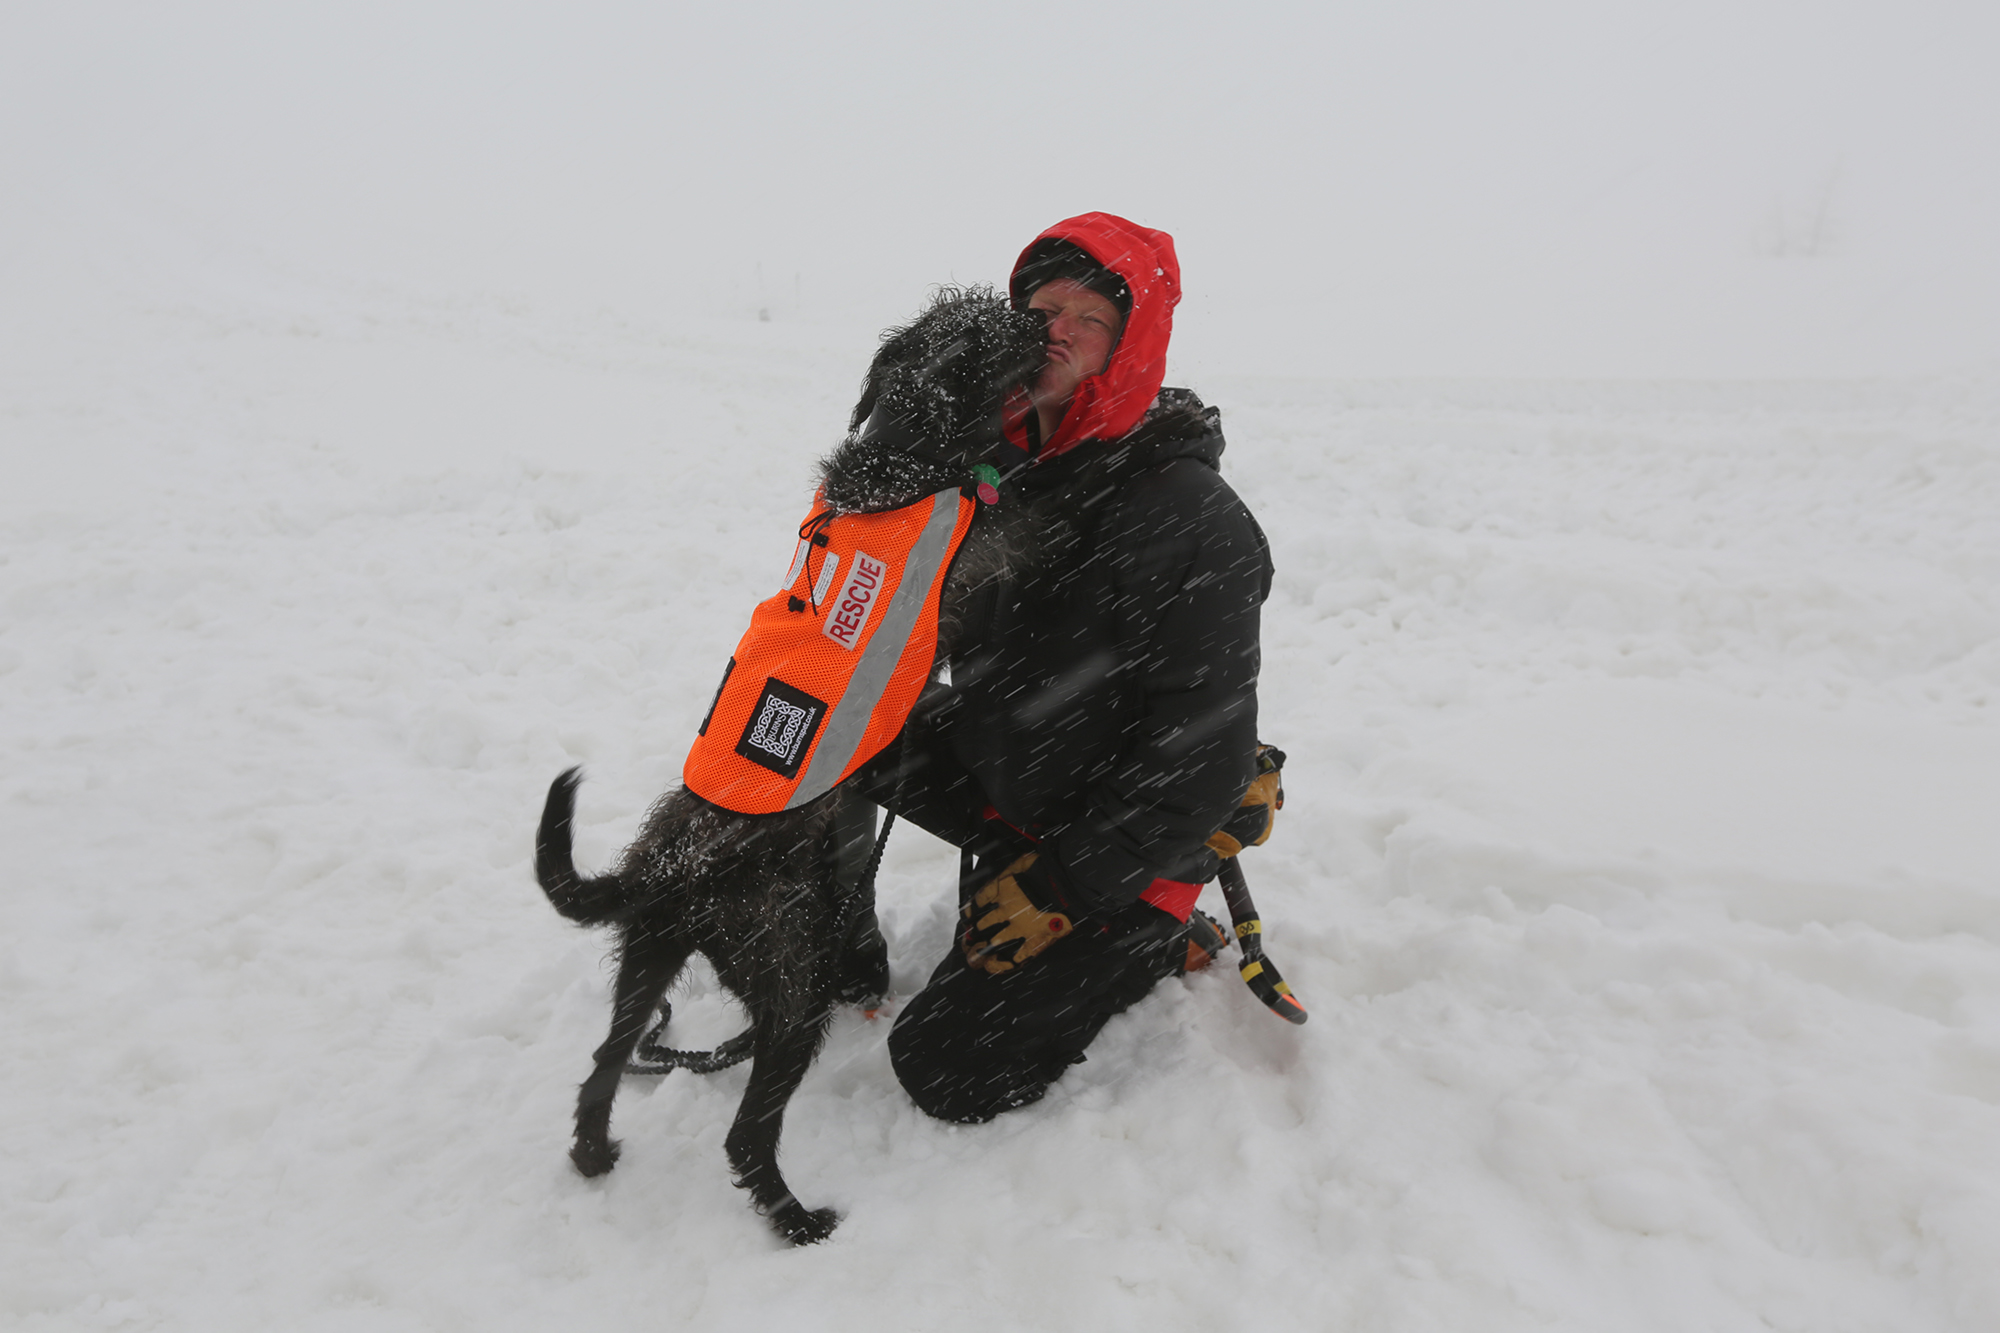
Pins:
x,y
1257,814
1005,927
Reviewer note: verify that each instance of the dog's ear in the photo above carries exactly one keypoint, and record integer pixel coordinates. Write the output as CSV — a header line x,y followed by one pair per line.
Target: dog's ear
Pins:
x,y
889,371
871,389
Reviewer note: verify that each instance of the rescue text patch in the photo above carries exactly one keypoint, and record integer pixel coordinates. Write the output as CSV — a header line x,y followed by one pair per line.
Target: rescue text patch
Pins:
x,y
847,615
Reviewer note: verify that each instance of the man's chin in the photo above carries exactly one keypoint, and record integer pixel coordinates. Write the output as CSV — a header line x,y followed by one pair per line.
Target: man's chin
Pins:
x,y
1053,387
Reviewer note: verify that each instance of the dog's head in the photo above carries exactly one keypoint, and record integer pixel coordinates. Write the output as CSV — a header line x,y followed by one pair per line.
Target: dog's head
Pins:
x,y
930,407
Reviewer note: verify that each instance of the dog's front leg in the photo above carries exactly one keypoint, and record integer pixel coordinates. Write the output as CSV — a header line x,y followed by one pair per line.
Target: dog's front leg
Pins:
x,y
783,1055
863,973
647,965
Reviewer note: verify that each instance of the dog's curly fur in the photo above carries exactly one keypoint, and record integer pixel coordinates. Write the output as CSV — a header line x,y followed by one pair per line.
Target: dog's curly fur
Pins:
x,y
758,895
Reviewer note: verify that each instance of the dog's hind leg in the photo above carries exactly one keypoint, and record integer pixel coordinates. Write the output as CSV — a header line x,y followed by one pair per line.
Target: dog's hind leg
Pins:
x,y
648,963
783,1055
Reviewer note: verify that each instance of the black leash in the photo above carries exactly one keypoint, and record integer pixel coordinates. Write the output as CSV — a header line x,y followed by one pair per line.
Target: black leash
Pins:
x,y
866,889
1259,972
653,1058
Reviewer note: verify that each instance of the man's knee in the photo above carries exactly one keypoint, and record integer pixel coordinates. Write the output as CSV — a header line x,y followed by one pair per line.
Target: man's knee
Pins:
x,y
968,1047
954,1069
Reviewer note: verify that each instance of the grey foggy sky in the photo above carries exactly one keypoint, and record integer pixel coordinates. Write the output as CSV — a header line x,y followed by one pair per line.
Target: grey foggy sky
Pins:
x,y
1427,188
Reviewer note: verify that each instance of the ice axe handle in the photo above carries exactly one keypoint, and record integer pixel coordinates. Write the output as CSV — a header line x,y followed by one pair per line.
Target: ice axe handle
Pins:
x,y
1259,974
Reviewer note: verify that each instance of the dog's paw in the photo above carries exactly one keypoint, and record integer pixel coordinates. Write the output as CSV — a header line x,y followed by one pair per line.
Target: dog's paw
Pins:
x,y
594,1158
801,1227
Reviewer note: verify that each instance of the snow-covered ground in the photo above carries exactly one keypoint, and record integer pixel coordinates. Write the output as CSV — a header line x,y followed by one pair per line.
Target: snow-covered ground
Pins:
x,y
1639,867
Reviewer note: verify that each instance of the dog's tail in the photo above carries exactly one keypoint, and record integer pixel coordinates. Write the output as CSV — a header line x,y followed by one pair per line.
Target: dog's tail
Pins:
x,y
588,901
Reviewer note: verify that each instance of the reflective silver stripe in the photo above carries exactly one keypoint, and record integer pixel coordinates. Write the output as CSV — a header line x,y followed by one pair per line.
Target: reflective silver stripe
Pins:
x,y
849,720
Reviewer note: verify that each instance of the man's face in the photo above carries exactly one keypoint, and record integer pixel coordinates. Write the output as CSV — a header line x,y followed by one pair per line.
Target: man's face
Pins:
x,y
1083,328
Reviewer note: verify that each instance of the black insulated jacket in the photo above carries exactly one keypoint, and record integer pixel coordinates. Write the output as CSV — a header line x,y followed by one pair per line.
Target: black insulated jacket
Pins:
x,y
1104,696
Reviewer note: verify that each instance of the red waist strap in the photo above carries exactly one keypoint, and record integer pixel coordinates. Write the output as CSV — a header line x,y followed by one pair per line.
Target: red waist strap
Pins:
x,y
1172,897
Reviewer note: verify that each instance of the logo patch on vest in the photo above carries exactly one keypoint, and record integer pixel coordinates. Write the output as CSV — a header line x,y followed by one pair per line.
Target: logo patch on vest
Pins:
x,y
782,727
847,615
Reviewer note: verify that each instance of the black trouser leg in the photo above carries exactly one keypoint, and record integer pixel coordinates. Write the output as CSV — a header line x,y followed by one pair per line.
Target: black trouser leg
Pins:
x,y
972,1044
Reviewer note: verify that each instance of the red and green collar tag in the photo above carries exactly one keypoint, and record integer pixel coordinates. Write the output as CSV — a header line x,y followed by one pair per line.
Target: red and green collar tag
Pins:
x,y
988,478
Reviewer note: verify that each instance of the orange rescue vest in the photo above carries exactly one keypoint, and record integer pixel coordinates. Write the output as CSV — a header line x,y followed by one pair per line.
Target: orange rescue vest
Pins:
x,y
830,667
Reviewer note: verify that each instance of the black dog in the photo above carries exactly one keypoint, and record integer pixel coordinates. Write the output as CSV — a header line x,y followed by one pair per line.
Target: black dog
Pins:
x,y
775,902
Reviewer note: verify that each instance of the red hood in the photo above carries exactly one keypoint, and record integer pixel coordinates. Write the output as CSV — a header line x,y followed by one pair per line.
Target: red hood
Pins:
x,y
1113,401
